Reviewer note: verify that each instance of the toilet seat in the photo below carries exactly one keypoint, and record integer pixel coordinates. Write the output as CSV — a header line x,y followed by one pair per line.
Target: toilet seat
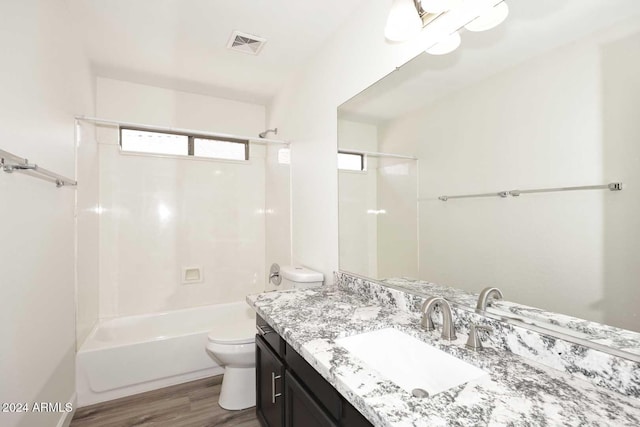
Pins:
x,y
243,340
238,332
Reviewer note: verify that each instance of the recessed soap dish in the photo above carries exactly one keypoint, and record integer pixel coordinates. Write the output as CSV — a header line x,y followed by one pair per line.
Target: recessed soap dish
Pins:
x,y
192,275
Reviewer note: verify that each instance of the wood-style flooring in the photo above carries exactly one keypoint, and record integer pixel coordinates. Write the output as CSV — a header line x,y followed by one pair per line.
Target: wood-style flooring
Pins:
x,y
193,404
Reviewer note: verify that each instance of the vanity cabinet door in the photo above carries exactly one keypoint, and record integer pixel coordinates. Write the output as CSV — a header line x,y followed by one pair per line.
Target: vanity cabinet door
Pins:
x,y
301,409
269,385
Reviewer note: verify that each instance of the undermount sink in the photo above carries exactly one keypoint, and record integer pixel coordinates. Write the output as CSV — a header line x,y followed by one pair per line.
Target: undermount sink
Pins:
x,y
410,363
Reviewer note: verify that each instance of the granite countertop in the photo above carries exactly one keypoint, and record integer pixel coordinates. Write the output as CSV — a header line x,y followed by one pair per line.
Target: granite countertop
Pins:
x,y
517,391
611,336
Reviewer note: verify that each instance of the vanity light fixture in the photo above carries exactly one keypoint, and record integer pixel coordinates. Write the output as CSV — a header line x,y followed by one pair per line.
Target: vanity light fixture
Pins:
x,y
404,21
410,18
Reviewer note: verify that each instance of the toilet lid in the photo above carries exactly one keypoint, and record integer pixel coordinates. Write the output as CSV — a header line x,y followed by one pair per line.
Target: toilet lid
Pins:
x,y
236,332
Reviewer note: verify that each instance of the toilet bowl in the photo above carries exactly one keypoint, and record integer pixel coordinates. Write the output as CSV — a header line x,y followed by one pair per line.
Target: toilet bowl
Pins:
x,y
232,346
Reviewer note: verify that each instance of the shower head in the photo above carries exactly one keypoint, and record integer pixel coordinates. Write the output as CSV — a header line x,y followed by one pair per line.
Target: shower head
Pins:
x,y
266,132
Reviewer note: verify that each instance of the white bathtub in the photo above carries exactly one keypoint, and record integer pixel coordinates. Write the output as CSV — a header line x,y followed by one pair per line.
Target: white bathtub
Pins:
x,y
134,354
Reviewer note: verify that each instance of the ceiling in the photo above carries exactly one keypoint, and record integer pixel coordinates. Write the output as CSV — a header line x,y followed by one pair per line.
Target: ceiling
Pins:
x,y
532,28
181,44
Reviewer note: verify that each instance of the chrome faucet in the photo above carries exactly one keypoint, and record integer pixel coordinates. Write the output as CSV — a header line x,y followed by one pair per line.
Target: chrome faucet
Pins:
x,y
448,329
485,295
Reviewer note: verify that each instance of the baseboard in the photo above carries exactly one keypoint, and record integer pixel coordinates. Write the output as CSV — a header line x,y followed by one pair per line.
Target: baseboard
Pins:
x,y
65,418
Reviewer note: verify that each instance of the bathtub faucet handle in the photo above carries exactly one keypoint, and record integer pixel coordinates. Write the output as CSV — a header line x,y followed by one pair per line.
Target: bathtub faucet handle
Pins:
x,y
274,274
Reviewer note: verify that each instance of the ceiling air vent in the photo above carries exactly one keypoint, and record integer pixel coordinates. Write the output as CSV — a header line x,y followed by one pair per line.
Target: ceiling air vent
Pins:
x,y
246,43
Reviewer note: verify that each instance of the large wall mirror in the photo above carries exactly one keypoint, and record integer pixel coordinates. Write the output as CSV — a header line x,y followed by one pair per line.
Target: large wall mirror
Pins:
x,y
549,99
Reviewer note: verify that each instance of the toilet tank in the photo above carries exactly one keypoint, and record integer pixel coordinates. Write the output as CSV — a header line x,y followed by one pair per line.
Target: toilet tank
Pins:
x,y
297,277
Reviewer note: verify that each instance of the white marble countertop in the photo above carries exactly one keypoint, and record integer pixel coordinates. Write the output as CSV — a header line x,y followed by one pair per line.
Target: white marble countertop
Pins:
x,y
517,391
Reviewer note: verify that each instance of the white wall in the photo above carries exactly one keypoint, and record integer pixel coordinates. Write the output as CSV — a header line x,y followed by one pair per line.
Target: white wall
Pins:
x,y
358,195
536,125
44,81
305,111
120,100
277,209
87,230
621,134
381,244
162,214
398,226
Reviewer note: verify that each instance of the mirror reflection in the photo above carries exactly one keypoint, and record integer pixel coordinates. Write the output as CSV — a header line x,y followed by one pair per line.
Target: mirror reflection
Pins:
x,y
547,100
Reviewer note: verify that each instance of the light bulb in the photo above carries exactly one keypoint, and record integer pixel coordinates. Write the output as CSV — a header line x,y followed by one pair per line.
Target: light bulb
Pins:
x,y
446,45
403,21
489,19
437,6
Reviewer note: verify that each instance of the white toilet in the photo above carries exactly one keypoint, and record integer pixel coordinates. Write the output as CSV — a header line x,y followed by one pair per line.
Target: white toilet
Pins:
x,y
297,277
232,344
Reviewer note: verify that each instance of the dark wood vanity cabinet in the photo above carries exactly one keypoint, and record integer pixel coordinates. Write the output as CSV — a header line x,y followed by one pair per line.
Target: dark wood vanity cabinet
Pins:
x,y
291,393
301,409
269,385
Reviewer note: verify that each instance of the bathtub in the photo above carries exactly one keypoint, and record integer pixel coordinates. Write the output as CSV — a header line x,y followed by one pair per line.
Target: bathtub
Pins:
x,y
134,354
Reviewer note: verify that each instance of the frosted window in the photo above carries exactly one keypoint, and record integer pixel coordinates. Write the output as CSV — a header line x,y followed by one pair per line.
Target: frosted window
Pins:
x,y
219,149
141,141
350,161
